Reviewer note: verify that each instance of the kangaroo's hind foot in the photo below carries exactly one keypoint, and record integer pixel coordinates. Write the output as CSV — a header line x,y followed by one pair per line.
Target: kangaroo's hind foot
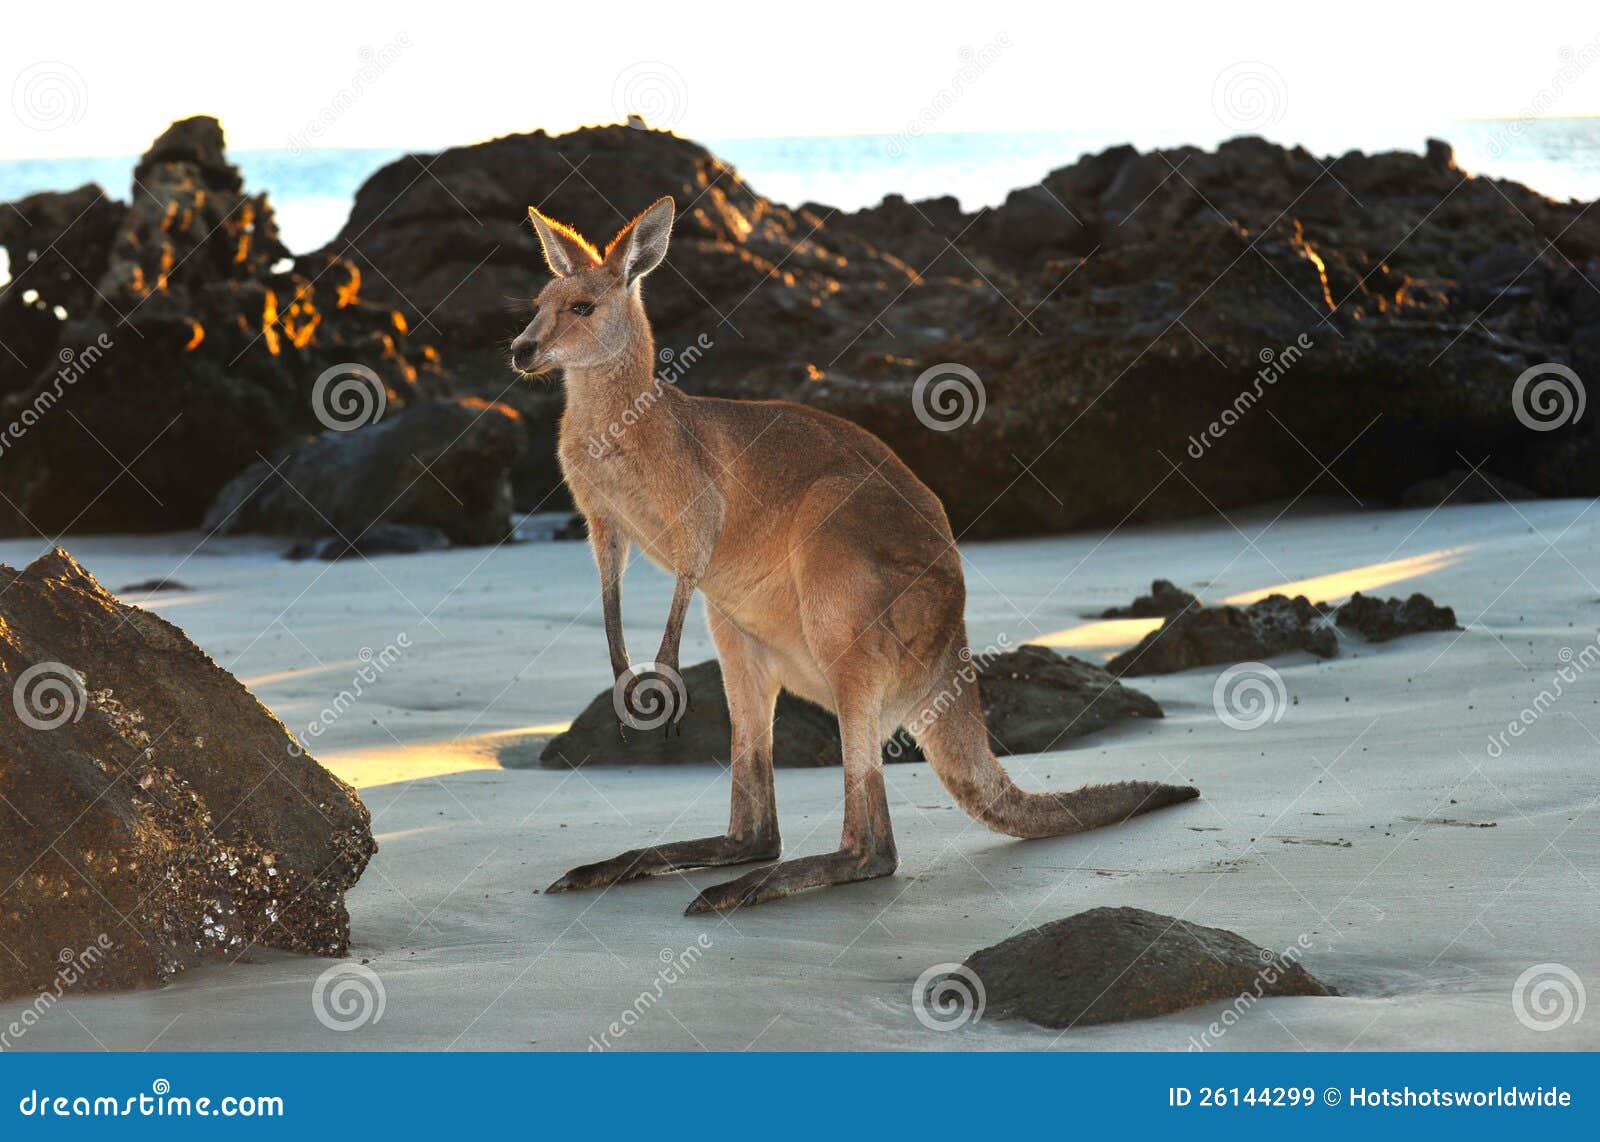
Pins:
x,y
706,852
792,876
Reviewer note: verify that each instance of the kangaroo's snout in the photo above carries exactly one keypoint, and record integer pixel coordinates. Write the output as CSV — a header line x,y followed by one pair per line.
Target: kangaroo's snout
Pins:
x,y
524,352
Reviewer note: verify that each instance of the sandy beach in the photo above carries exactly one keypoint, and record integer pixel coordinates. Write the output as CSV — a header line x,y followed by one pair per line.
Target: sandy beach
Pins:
x,y
1422,868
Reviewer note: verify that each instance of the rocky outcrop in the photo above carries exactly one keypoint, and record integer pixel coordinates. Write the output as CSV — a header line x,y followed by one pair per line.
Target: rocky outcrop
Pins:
x,y
1204,636
169,334
1110,965
1117,316
441,466
1379,620
1459,486
155,814
375,539
1164,600
1244,314
1033,699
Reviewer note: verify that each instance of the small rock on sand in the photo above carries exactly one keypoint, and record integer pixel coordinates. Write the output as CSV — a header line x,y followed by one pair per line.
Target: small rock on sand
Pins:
x,y
1379,620
1209,635
1164,600
151,586
1110,965
1033,698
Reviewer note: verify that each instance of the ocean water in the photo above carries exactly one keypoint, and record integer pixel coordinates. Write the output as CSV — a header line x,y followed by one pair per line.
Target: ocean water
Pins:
x,y
312,190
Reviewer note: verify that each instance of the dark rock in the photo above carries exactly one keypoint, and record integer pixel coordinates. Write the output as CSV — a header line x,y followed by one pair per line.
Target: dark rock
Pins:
x,y
1209,635
59,245
1036,700
378,539
186,350
804,734
1111,965
1228,308
576,527
1033,699
1440,154
1459,486
155,813
1163,601
758,281
151,586
1380,620
443,466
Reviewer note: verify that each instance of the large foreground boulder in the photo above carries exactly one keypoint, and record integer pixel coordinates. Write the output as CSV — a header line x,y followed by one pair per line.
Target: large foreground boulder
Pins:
x,y
1033,699
442,465
155,814
1110,965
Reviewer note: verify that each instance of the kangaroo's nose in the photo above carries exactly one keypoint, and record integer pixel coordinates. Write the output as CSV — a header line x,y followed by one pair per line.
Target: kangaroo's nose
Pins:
x,y
523,353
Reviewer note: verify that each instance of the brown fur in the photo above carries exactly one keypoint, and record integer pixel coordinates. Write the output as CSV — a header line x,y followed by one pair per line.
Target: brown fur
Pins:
x,y
827,567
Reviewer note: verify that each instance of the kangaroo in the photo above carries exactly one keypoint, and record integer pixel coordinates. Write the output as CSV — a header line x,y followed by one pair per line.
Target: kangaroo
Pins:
x,y
826,566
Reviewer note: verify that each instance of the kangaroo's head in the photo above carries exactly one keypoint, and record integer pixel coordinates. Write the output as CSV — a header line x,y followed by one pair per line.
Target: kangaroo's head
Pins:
x,y
591,311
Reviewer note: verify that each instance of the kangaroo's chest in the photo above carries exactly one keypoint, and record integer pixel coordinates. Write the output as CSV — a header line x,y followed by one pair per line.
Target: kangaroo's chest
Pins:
x,y
612,475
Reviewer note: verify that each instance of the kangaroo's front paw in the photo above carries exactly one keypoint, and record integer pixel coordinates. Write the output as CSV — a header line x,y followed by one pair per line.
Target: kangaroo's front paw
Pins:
x,y
649,697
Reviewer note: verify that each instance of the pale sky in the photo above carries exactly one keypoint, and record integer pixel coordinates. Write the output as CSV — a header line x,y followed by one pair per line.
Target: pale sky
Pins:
x,y
87,79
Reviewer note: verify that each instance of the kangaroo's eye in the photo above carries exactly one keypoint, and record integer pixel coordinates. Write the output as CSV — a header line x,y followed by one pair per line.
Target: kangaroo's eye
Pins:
x,y
583,308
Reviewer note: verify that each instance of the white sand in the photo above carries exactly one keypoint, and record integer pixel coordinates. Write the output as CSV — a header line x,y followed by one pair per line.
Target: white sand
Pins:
x,y
1426,926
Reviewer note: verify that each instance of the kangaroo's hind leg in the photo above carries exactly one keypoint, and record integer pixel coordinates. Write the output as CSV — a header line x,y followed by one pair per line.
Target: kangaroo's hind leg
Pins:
x,y
866,849
753,819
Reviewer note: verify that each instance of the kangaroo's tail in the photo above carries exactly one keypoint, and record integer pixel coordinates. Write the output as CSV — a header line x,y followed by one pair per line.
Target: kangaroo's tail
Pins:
x,y
956,742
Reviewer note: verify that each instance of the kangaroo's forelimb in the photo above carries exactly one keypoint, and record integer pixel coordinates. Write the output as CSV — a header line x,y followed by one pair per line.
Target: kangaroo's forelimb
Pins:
x,y
611,556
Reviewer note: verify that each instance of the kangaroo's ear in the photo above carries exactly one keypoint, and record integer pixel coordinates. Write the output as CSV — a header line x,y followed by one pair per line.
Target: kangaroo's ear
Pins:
x,y
564,248
642,243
